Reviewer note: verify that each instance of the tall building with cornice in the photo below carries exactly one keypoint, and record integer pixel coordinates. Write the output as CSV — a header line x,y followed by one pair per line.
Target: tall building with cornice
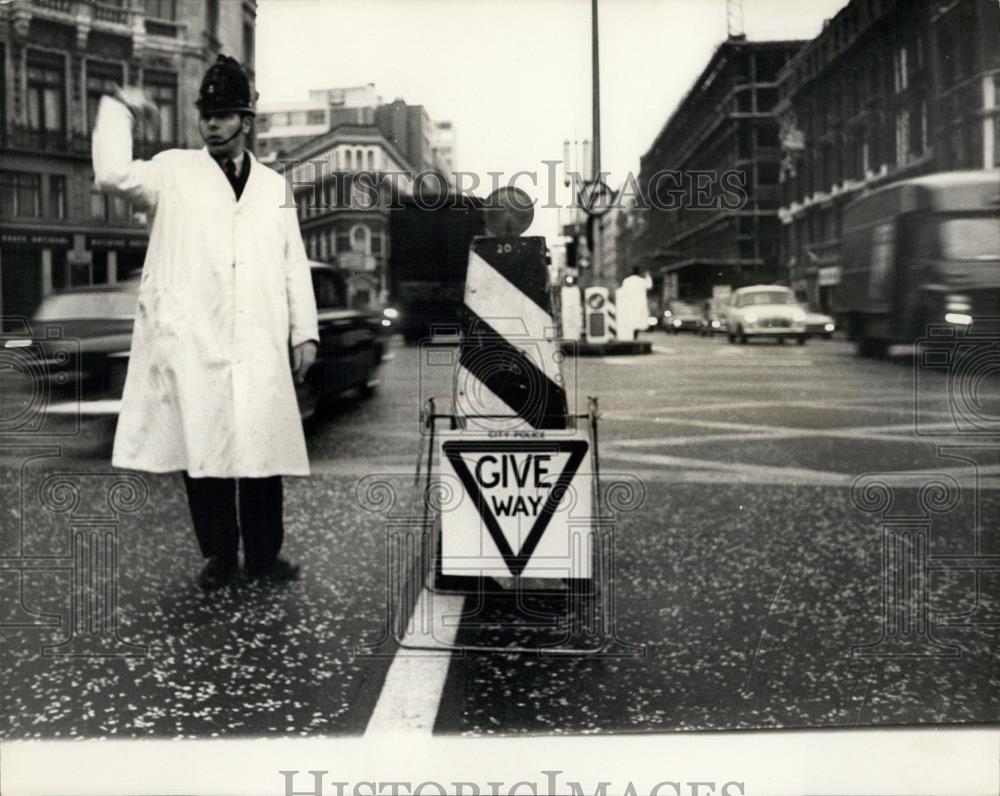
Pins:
x,y
57,58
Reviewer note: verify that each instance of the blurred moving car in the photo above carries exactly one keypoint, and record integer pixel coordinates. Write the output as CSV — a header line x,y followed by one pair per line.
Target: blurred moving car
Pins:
x,y
819,324
766,311
715,319
681,317
99,321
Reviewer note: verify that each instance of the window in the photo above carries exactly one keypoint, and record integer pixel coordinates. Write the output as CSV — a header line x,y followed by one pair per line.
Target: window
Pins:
x,y
20,194
315,117
900,74
371,160
57,196
162,90
248,40
98,205
101,79
349,160
263,123
162,9
902,137
212,18
376,243
360,236
46,93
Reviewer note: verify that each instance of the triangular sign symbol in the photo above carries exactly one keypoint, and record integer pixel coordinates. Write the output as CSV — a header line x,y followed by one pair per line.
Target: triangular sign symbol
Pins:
x,y
576,448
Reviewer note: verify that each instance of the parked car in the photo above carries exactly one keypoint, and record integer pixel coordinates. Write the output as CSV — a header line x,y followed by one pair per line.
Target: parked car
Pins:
x,y
99,321
819,324
766,311
681,317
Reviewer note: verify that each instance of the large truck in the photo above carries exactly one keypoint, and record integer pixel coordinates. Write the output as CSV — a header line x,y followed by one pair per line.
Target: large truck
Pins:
x,y
428,260
920,252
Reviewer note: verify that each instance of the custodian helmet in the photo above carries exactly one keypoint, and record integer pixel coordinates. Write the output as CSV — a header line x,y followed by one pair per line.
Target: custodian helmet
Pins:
x,y
226,88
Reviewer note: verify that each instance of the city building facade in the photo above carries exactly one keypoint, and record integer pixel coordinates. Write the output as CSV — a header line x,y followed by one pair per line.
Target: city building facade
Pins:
x,y
890,89
283,126
425,144
718,156
342,182
57,58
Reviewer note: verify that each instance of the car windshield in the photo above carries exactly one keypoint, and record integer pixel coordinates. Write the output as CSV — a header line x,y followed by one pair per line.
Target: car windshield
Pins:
x,y
96,305
681,308
766,297
976,238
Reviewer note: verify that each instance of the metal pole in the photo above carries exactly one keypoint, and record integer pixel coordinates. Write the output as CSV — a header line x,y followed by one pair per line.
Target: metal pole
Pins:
x,y
595,151
594,52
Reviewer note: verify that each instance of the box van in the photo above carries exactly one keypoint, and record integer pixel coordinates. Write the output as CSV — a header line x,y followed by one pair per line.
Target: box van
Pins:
x,y
920,252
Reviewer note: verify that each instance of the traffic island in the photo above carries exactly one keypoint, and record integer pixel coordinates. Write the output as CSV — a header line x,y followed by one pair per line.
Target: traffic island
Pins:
x,y
611,348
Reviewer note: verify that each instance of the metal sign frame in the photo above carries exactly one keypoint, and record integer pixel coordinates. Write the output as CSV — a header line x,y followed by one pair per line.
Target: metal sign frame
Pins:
x,y
598,599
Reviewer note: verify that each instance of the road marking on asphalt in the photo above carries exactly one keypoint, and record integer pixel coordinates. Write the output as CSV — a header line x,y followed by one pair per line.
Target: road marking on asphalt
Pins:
x,y
626,361
751,473
710,471
411,694
662,349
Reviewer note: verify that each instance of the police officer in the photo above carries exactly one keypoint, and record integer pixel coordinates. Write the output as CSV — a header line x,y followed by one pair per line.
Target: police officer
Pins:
x,y
226,321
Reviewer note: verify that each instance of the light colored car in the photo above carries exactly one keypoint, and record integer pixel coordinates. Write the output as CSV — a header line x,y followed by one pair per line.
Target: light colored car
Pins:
x,y
819,324
681,317
766,311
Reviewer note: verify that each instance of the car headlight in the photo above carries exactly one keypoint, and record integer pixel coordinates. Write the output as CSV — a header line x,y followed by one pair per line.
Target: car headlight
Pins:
x,y
828,327
956,302
667,313
750,317
677,322
651,320
386,322
798,316
715,324
958,318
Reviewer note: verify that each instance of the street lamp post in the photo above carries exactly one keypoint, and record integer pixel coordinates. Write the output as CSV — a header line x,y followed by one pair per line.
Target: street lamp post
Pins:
x,y
595,172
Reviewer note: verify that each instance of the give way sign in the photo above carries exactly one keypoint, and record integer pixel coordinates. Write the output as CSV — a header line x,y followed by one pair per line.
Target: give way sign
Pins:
x,y
525,507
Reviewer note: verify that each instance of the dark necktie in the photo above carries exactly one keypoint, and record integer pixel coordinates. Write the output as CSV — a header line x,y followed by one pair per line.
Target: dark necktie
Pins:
x,y
230,169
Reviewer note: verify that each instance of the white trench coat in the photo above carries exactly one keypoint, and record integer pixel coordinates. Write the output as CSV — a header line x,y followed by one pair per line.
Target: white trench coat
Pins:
x,y
225,291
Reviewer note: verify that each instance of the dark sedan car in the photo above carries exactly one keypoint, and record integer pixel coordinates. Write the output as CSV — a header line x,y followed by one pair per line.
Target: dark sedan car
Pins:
x,y
95,324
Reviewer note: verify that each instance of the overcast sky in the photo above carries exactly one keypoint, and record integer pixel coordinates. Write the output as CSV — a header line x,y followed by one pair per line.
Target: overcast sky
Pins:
x,y
514,75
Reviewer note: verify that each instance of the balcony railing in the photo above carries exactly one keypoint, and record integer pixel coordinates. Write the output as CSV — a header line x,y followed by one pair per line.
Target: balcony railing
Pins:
x,y
62,6
49,141
108,12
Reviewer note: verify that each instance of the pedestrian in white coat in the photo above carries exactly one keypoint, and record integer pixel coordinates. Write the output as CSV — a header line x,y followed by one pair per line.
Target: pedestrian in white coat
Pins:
x,y
226,319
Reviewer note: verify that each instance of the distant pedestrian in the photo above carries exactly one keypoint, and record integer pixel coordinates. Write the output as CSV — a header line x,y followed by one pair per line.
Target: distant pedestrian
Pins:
x,y
226,318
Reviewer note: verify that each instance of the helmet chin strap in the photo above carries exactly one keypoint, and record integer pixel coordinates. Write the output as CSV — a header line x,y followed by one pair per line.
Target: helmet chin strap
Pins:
x,y
224,141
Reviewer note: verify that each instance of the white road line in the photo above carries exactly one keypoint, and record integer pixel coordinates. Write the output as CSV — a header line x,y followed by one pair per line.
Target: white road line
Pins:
x,y
411,694
744,431
753,473
710,471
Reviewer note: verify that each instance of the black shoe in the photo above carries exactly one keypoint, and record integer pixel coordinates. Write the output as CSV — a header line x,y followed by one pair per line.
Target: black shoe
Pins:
x,y
281,570
217,573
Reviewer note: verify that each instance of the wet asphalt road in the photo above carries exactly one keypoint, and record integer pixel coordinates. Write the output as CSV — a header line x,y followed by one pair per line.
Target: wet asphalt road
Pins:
x,y
747,575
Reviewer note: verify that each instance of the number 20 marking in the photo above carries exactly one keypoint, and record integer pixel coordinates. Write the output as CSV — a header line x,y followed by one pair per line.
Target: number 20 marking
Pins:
x,y
504,248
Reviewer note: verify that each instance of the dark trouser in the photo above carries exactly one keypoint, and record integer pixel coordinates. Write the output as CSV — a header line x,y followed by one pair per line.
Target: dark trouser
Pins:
x,y
214,504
